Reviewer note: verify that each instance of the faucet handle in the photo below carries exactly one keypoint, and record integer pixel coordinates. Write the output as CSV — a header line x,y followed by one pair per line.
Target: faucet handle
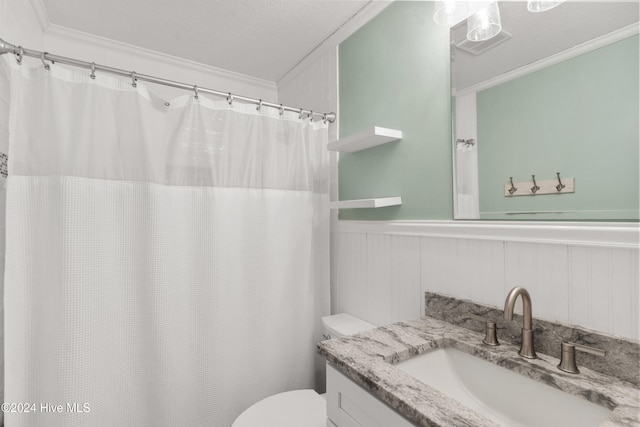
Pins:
x,y
568,355
490,337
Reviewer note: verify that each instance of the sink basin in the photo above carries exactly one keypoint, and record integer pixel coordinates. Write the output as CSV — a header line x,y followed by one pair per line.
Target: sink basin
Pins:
x,y
507,398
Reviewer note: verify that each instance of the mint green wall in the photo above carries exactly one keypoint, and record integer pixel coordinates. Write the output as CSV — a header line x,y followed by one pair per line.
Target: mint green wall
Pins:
x,y
394,72
579,118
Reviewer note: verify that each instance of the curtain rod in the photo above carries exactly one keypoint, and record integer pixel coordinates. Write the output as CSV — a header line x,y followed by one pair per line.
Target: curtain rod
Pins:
x,y
20,52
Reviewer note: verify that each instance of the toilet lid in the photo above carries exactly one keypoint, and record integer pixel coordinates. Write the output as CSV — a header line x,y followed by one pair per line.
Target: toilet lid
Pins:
x,y
298,408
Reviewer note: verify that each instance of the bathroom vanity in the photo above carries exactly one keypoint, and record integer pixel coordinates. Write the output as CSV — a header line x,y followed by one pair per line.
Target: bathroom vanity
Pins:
x,y
367,387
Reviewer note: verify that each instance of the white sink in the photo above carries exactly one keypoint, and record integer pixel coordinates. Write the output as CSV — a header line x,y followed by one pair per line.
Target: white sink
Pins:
x,y
499,394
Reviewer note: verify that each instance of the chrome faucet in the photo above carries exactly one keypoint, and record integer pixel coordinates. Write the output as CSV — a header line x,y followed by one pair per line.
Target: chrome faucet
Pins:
x,y
526,347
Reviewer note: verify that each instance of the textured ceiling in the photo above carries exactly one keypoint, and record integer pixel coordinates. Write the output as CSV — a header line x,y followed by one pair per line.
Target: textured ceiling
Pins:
x,y
539,35
260,38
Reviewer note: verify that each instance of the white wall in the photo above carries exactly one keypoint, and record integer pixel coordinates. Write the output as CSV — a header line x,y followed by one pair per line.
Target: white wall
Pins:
x,y
26,23
75,44
382,274
19,24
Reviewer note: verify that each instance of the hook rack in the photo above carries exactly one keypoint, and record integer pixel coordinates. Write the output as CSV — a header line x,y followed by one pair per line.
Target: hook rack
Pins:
x,y
534,187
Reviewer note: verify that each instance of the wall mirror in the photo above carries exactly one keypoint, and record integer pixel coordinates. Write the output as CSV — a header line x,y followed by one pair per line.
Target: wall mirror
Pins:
x,y
552,98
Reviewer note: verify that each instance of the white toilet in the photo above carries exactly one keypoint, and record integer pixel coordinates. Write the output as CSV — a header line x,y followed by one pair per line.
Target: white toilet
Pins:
x,y
300,408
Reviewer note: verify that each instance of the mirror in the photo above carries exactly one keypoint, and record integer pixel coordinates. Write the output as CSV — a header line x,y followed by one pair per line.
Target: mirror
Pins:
x,y
553,95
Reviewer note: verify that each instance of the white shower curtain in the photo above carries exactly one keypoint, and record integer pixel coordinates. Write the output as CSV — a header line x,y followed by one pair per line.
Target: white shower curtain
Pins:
x,y
166,263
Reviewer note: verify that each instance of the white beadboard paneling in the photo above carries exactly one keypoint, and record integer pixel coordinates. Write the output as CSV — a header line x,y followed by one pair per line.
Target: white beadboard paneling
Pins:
x,y
623,284
604,290
378,276
464,268
586,281
579,286
438,266
393,269
352,274
491,273
542,269
406,268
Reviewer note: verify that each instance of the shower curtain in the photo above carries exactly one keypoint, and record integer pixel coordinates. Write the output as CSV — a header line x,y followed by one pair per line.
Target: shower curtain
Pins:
x,y
166,262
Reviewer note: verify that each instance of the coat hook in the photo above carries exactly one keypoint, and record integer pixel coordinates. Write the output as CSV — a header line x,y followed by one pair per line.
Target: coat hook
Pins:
x,y
19,54
44,64
560,185
93,71
513,188
196,96
259,105
133,79
535,186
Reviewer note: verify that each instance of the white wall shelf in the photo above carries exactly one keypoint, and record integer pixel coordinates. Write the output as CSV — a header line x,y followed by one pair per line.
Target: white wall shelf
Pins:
x,y
367,138
379,202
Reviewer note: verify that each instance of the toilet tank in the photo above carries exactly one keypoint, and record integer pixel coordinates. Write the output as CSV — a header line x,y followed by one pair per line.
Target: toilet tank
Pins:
x,y
343,324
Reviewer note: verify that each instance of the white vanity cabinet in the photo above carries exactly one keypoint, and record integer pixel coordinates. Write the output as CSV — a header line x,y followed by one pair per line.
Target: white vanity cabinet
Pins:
x,y
349,405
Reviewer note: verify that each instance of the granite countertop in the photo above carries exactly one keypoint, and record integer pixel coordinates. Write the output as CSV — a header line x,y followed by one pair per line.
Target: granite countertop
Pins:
x,y
368,358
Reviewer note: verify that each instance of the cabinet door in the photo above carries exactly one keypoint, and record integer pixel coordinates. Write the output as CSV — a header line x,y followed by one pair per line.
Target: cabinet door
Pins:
x,y
349,405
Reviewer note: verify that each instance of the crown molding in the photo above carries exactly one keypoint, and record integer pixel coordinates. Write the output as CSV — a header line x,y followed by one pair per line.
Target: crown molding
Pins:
x,y
364,15
65,33
40,10
624,235
588,46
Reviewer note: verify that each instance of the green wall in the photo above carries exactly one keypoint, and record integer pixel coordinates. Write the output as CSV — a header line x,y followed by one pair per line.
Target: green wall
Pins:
x,y
394,72
579,118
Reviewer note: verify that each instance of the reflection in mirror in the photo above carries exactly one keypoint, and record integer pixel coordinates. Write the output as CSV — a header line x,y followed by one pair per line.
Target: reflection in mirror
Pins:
x,y
553,92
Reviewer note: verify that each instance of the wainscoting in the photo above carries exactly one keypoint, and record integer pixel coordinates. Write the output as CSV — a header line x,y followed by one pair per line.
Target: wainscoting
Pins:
x,y
582,274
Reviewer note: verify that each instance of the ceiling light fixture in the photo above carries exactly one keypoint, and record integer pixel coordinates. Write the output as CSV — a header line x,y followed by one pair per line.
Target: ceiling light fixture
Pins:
x,y
542,6
485,23
450,12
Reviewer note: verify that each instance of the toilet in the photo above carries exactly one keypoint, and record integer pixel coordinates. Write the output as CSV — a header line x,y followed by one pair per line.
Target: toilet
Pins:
x,y
300,408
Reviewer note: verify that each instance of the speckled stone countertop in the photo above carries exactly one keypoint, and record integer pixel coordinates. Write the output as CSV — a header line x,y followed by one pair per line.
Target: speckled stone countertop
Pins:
x,y
367,359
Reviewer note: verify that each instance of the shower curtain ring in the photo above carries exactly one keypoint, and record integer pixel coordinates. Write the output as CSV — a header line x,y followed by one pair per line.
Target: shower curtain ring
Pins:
x,y
281,110
324,118
44,64
230,99
259,105
19,54
311,116
133,79
196,96
93,71
300,114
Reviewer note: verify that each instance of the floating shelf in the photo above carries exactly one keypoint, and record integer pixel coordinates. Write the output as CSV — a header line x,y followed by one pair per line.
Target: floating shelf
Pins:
x,y
365,139
379,202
